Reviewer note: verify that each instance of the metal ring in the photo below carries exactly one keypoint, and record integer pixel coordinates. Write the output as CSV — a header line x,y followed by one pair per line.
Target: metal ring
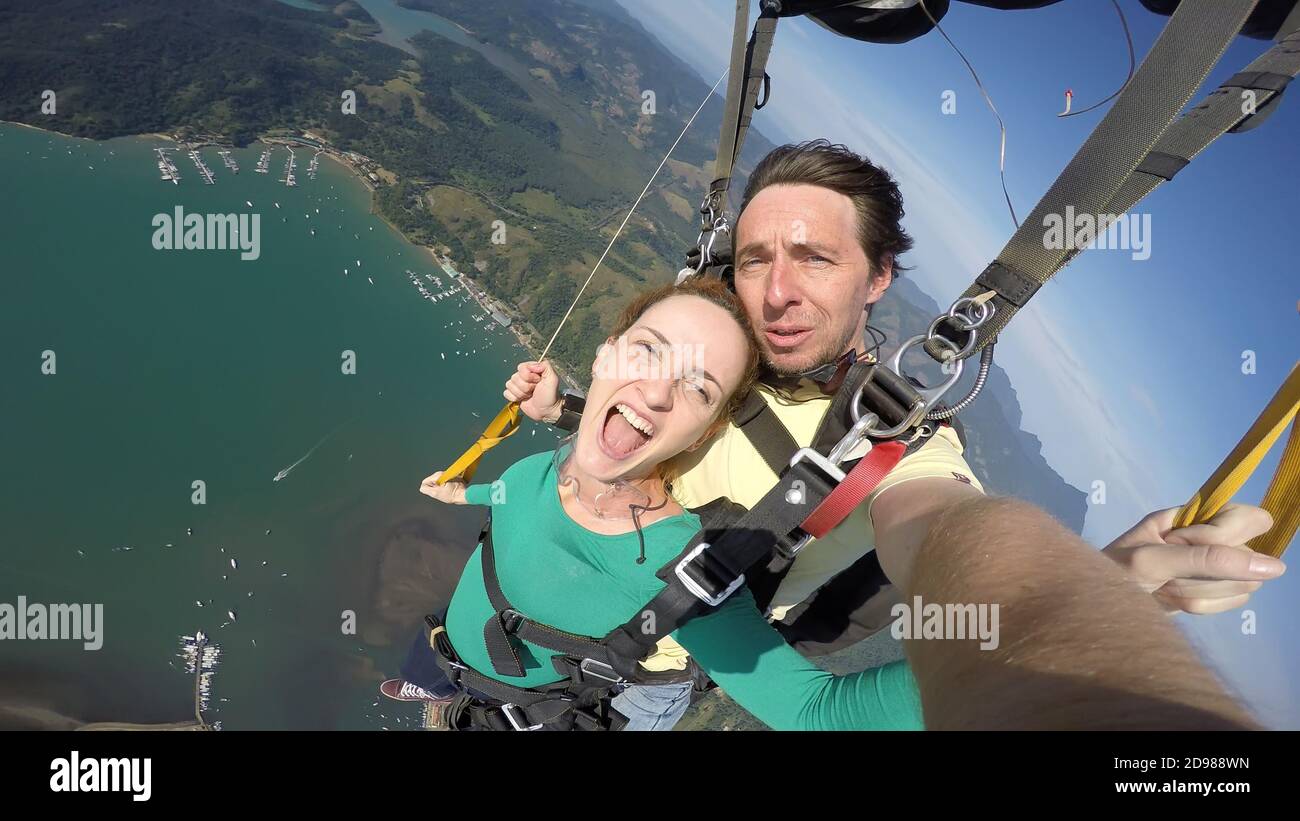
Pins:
x,y
986,309
957,353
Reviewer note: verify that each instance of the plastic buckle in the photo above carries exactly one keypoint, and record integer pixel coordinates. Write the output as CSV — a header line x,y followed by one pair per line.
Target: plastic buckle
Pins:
x,y
586,664
510,620
794,549
695,588
514,722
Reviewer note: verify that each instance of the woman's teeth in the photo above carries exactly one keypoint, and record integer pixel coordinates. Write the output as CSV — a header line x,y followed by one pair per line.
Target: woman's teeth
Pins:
x,y
634,420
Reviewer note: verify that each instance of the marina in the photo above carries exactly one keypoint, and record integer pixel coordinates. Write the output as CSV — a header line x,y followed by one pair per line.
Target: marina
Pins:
x,y
229,161
264,162
315,164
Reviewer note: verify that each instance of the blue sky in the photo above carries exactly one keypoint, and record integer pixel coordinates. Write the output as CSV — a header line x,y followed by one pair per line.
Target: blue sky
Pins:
x,y
1130,371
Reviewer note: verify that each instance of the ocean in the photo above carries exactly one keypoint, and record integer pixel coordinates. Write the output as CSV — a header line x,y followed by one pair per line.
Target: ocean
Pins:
x,y
185,376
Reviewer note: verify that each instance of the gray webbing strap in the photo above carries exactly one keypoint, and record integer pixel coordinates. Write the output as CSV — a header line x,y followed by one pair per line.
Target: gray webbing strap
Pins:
x,y
1193,41
1223,111
750,71
735,93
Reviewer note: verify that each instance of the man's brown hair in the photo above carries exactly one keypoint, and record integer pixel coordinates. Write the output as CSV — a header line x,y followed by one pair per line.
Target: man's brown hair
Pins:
x,y
873,191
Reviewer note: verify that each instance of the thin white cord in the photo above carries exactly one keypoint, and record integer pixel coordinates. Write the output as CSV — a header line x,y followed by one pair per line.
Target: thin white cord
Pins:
x,y
1002,151
630,212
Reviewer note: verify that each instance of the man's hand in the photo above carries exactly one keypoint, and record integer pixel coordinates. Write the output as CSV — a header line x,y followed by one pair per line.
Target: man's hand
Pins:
x,y
1199,569
536,387
452,493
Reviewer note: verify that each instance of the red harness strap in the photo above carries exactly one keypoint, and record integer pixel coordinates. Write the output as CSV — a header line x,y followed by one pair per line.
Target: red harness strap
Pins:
x,y
857,486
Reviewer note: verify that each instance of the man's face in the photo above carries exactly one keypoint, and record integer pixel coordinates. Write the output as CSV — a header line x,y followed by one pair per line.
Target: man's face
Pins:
x,y
802,275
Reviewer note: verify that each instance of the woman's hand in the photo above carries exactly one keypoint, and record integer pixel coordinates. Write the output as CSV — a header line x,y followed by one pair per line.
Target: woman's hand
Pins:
x,y
452,493
536,387
1200,569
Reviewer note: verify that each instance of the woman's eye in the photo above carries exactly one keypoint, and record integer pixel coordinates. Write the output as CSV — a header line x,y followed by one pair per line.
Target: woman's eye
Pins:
x,y
698,391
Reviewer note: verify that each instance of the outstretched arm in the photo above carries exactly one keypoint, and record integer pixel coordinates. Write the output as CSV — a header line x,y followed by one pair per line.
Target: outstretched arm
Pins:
x,y
1081,646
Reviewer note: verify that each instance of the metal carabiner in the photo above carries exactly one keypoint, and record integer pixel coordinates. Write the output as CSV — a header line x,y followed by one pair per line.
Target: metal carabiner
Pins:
x,y
929,396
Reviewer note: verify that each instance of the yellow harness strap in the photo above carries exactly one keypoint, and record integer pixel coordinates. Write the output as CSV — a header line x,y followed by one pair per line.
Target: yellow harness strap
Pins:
x,y
497,431
1282,500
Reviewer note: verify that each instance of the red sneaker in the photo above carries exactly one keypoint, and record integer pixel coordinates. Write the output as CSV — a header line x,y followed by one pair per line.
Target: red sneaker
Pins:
x,y
402,690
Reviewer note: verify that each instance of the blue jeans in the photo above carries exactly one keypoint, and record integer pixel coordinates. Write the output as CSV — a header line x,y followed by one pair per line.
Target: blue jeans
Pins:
x,y
421,668
653,706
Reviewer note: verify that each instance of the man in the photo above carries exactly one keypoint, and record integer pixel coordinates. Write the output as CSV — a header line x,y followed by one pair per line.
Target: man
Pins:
x,y
816,243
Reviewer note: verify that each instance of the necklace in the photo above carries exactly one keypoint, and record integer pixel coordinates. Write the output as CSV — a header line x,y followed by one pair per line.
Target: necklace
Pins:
x,y
618,499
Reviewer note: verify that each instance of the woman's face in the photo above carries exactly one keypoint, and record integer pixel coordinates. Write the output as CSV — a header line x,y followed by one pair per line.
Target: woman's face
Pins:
x,y
656,390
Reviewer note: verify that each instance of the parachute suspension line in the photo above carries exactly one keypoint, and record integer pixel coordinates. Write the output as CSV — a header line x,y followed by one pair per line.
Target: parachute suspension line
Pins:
x,y
506,422
1002,150
630,212
1132,66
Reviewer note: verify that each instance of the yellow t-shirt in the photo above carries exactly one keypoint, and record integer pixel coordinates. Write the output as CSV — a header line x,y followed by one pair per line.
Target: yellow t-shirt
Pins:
x,y
731,467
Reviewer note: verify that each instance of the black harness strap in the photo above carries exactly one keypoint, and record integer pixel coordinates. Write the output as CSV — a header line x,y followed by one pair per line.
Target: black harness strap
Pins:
x,y
760,425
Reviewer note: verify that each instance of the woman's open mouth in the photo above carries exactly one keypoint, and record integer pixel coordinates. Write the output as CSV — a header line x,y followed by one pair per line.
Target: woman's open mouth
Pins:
x,y
624,432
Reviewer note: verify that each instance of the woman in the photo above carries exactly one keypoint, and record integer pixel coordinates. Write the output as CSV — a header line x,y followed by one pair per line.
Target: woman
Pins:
x,y
577,536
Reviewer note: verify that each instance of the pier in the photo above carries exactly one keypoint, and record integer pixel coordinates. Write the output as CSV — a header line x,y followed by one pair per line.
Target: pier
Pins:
x,y
204,171
229,161
315,163
289,180
201,658
167,168
264,162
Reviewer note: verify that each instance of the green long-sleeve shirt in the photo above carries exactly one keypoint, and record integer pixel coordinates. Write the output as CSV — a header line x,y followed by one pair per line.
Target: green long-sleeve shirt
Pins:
x,y
557,572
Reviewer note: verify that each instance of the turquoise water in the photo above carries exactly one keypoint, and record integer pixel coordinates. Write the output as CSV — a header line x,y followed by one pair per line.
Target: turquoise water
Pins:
x,y
181,366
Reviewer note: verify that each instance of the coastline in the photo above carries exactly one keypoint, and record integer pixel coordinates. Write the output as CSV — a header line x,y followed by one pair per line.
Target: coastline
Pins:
x,y
528,339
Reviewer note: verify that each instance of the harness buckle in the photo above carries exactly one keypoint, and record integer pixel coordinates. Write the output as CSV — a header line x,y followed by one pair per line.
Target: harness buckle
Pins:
x,y
521,726
695,588
510,620
828,467
586,664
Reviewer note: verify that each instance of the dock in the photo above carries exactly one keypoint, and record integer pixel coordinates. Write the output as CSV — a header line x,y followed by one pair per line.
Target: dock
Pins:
x,y
229,161
206,173
167,168
264,162
289,180
201,657
315,163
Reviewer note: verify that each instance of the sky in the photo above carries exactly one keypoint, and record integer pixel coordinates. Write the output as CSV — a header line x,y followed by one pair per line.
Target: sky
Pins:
x,y
1131,371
